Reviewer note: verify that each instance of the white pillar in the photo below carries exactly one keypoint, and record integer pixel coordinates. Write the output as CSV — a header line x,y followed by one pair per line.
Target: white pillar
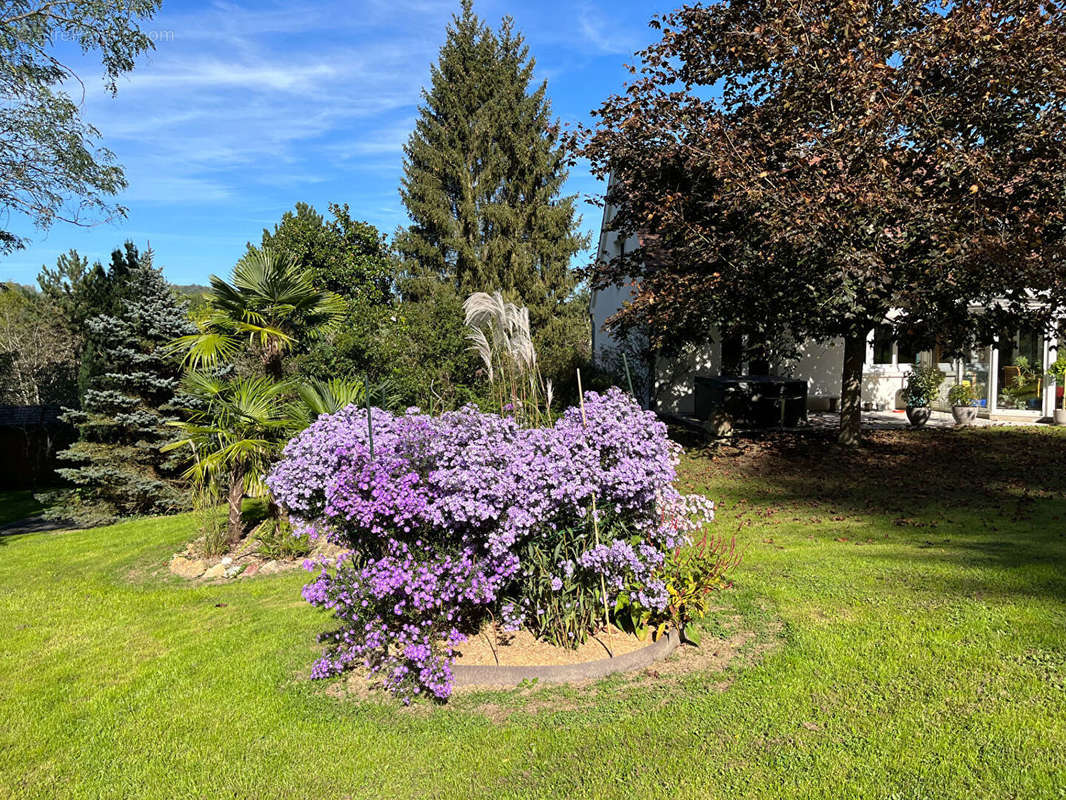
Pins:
x,y
993,379
1051,346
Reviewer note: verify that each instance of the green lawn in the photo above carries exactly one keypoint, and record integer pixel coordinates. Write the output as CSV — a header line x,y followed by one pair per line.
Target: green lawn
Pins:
x,y
903,611
17,504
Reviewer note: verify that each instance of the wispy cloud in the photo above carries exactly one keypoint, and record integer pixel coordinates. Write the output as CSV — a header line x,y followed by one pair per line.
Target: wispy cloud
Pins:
x,y
604,33
277,89
244,108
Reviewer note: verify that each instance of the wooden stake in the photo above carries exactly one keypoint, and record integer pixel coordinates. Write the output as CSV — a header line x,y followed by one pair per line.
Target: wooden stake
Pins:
x,y
595,516
369,423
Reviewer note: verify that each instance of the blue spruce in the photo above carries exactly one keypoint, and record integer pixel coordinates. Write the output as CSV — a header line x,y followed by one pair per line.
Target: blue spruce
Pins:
x,y
116,467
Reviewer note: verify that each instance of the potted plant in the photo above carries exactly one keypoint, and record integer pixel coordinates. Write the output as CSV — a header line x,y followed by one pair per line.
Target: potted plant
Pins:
x,y
963,401
923,384
1057,372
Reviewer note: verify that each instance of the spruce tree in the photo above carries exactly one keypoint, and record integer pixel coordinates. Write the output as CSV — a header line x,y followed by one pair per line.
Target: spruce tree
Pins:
x,y
79,292
116,467
483,171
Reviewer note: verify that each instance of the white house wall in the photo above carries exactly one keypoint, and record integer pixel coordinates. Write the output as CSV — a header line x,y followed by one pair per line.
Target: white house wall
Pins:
x,y
675,377
821,364
606,302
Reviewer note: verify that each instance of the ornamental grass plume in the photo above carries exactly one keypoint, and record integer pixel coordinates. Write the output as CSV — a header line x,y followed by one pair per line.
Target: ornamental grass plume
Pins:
x,y
501,336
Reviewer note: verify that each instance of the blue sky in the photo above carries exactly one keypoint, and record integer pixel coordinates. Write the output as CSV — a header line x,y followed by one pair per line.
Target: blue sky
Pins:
x,y
243,109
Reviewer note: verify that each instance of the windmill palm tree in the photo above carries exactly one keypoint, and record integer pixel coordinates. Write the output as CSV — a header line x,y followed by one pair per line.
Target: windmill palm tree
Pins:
x,y
328,397
240,425
235,434
270,302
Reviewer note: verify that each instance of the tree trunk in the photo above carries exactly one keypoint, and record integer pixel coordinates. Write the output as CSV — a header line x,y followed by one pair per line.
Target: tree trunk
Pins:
x,y
272,363
236,495
851,390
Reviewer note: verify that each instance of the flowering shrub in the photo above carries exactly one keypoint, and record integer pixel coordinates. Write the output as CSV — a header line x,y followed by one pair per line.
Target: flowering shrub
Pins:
x,y
468,513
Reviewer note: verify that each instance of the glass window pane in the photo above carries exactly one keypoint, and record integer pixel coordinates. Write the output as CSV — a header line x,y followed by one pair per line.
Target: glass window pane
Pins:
x,y
1021,379
907,352
883,344
975,372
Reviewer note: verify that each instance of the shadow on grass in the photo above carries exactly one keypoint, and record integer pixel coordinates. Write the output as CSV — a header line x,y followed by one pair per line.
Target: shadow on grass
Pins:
x,y
28,527
977,497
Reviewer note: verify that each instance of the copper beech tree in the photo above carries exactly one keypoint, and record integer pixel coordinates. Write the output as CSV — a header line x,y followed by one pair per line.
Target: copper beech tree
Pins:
x,y
806,166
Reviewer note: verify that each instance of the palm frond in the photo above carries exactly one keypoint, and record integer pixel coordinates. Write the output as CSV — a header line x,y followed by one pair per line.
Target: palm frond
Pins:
x,y
206,349
329,397
236,422
269,299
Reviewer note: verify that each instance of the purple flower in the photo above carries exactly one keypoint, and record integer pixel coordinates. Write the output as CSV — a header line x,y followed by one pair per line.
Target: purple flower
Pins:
x,y
439,520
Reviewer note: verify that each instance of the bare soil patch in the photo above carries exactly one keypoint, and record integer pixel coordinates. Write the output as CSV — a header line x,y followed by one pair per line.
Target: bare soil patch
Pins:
x,y
490,647
708,666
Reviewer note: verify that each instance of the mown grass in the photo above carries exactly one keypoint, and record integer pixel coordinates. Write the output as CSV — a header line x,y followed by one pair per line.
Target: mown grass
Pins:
x,y
17,504
907,604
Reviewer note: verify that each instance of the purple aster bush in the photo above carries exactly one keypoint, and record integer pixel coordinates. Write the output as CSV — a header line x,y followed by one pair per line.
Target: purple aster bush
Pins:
x,y
467,514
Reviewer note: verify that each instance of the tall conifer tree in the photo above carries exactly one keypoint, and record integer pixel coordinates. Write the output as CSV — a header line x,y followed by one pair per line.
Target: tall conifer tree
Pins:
x,y
483,173
116,467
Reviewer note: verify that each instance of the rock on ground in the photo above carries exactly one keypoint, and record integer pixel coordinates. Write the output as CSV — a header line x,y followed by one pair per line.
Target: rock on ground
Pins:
x,y
217,571
187,567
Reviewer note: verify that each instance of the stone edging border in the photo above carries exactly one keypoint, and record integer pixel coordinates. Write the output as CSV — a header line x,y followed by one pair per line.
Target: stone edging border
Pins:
x,y
480,675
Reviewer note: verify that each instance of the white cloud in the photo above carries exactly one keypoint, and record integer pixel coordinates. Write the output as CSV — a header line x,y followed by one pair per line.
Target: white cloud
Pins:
x,y
603,33
221,75
277,89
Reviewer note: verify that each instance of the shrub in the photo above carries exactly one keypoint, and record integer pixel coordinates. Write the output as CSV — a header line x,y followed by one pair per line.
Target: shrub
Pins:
x,y
922,385
1057,370
693,572
962,394
277,539
453,517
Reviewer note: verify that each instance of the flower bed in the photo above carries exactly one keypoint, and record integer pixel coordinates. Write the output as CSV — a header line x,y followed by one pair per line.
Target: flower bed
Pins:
x,y
455,519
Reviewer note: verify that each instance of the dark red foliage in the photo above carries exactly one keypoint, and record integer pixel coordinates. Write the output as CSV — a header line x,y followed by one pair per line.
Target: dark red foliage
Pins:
x,y
806,166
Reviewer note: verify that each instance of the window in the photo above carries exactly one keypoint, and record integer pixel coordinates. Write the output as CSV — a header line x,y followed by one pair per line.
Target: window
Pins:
x,y
1021,377
906,353
883,344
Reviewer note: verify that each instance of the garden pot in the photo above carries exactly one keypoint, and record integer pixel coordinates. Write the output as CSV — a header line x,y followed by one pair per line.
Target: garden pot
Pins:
x,y
918,415
964,415
1060,416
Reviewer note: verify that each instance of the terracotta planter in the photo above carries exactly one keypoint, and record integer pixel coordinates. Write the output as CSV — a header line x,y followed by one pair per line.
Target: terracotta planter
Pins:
x,y
964,415
918,415
1060,416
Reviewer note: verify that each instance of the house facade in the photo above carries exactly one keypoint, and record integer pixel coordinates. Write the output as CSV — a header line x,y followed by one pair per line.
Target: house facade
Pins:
x,y
1009,378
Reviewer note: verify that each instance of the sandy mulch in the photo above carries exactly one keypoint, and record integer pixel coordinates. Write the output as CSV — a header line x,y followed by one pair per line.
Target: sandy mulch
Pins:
x,y
690,668
523,649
